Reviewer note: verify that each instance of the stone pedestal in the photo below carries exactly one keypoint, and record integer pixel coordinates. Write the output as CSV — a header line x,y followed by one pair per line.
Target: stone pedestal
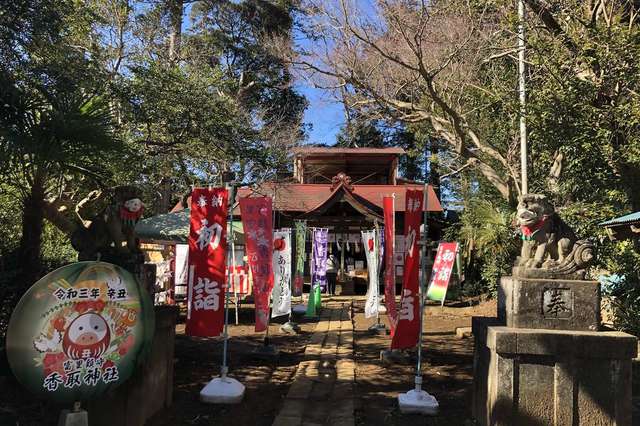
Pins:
x,y
543,362
549,304
345,287
150,389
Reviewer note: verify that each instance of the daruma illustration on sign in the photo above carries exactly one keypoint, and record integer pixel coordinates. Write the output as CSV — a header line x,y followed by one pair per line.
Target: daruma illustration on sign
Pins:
x,y
79,331
88,336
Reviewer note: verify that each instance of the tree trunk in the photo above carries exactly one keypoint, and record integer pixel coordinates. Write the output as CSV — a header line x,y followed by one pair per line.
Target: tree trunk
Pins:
x,y
175,37
31,239
434,169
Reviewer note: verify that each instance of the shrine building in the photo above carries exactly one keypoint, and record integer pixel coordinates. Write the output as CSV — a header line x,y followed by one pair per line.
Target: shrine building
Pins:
x,y
342,189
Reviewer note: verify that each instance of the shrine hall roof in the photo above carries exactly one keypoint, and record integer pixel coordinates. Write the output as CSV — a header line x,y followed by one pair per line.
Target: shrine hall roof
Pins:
x,y
628,219
338,151
297,197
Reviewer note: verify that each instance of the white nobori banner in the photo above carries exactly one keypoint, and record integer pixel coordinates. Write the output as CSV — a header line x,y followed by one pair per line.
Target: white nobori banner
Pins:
x,y
370,243
281,295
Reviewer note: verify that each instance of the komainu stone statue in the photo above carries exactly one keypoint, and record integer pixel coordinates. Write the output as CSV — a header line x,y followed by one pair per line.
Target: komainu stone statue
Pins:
x,y
550,248
111,218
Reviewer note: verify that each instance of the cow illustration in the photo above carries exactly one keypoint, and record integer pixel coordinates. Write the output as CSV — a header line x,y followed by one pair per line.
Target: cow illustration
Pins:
x,y
88,336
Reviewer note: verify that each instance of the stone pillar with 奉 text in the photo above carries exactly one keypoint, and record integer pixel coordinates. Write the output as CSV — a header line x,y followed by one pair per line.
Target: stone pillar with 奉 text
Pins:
x,y
544,359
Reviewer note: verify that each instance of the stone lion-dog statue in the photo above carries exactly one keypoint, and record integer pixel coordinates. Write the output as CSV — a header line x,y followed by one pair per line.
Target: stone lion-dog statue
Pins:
x,y
547,241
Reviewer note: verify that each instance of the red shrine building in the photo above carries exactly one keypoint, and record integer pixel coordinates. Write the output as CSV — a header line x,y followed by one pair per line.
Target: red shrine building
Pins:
x,y
342,189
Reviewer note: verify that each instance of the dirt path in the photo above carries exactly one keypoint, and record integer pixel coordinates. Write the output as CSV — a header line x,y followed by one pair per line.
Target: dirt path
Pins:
x,y
448,369
266,381
372,399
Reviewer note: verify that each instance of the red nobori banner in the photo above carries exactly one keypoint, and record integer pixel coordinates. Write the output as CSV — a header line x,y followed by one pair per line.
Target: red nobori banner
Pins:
x,y
441,272
408,329
207,262
389,267
258,224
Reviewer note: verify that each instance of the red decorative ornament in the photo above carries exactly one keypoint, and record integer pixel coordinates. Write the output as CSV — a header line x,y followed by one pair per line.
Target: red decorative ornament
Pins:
x,y
529,230
370,243
279,244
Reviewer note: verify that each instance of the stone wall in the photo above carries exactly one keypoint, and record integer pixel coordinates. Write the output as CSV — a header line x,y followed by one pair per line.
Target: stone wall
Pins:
x,y
150,389
543,377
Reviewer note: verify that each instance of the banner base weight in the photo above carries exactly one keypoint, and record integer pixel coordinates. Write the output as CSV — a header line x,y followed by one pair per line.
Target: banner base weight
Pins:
x,y
222,391
73,418
419,402
290,328
299,309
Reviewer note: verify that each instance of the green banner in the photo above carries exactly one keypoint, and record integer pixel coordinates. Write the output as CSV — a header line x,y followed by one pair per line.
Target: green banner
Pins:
x,y
301,234
315,302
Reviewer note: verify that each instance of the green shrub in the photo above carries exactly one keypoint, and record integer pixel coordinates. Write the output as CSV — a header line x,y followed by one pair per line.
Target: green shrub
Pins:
x,y
488,245
622,285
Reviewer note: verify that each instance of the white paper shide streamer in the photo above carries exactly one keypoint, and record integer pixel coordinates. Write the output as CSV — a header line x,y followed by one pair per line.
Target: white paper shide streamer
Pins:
x,y
370,243
281,295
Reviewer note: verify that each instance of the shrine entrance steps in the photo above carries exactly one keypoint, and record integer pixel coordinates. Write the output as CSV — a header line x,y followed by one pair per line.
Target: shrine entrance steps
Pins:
x,y
322,392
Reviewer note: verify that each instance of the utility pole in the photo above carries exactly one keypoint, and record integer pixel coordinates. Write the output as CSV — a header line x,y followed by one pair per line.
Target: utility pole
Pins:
x,y
523,97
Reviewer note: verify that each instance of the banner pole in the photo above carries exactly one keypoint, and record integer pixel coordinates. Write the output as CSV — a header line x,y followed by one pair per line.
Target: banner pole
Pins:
x,y
224,389
417,400
425,254
233,269
230,251
273,228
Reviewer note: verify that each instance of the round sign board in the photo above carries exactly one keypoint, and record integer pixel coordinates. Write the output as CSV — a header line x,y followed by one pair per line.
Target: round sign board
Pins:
x,y
78,331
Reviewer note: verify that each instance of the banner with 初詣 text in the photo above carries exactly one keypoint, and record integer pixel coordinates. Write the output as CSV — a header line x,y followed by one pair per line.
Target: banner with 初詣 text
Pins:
x,y
408,328
281,295
369,240
207,262
258,224
389,267
441,271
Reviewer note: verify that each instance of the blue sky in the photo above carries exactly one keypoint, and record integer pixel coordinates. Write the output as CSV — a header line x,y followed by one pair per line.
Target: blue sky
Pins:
x,y
324,114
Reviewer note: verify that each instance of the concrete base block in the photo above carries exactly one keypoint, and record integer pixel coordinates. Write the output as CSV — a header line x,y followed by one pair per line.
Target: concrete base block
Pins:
x,y
549,304
73,418
222,391
377,328
299,309
551,377
290,328
419,402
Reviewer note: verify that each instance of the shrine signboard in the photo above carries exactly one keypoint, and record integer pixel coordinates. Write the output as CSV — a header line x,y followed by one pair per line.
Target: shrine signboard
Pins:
x,y
79,331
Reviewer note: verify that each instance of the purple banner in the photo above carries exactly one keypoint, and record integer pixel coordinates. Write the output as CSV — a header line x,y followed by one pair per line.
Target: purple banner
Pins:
x,y
319,263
